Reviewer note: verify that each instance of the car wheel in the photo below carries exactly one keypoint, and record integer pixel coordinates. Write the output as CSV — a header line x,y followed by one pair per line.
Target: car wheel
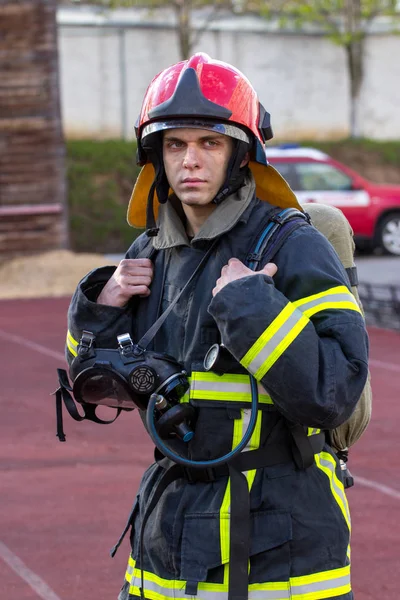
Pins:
x,y
389,234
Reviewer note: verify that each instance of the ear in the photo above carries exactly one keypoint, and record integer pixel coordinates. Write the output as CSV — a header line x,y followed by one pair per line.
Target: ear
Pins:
x,y
245,160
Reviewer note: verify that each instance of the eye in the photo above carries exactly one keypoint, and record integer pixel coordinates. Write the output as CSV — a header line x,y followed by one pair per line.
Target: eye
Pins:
x,y
211,143
174,144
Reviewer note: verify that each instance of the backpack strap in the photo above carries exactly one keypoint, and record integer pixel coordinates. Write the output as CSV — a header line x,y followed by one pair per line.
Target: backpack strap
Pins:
x,y
279,226
352,275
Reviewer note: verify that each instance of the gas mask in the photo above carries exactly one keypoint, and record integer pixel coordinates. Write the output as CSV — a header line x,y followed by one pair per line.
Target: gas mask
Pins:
x,y
126,378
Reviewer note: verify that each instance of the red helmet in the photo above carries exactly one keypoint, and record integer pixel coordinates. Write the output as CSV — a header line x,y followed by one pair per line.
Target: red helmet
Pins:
x,y
207,94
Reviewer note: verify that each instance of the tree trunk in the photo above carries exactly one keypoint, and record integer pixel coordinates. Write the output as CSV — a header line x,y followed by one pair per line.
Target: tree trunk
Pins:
x,y
183,8
355,62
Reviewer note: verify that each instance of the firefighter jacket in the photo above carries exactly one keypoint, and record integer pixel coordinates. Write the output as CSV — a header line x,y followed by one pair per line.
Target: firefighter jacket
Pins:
x,y
303,338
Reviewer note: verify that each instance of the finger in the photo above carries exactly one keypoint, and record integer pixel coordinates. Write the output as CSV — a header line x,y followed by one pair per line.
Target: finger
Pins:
x,y
140,262
269,269
136,280
233,261
139,290
136,271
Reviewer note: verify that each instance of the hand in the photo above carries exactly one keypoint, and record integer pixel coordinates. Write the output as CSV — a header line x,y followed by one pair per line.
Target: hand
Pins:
x,y
132,277
235,269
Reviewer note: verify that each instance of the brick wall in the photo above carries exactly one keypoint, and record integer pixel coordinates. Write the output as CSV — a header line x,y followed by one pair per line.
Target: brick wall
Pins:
x,y
32,154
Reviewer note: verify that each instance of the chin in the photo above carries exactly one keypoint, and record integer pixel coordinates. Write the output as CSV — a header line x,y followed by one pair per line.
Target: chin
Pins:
x,y
196,201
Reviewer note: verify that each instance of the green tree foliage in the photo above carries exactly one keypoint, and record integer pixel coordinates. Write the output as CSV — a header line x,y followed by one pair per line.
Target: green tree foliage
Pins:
x,y
188,36
345,22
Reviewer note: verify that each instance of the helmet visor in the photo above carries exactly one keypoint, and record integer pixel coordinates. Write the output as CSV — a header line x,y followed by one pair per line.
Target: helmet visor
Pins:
x,y
223,128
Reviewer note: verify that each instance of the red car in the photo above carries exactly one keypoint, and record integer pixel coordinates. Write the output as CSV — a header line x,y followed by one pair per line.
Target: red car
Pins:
x,y
373,210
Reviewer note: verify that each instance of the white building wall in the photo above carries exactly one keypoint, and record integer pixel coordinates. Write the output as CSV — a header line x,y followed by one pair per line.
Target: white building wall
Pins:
x,y
107,62
380,101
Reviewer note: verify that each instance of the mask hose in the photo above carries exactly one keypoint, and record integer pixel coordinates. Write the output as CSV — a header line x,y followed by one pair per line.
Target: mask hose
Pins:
x,y
216,462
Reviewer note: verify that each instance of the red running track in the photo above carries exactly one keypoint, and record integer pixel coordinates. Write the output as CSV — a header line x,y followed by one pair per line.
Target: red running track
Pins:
x,y
64,505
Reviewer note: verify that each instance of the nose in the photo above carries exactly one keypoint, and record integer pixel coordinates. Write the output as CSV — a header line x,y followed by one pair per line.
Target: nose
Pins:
x,y
191,159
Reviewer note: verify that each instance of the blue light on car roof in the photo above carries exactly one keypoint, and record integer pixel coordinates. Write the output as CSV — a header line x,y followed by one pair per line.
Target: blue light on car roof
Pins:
x,y
288,146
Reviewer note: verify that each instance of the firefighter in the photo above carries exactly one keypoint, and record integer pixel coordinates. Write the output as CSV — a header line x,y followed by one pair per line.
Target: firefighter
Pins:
x,y
273,522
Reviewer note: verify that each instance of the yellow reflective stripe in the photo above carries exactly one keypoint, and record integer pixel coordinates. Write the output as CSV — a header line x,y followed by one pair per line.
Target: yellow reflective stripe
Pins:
x,y
72,344
229,387
326,463
267,335
284,329
274,341
312,431
335,298
224,513
326,584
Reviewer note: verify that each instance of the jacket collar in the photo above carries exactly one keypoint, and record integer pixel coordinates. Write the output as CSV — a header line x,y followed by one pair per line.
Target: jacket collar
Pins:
x,y
227,214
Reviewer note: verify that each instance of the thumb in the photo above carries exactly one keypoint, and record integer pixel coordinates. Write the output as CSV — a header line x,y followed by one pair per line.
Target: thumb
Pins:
x,y
269,269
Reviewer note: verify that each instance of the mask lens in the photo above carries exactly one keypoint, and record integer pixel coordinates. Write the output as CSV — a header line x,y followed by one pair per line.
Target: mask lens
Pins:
x,y
103,387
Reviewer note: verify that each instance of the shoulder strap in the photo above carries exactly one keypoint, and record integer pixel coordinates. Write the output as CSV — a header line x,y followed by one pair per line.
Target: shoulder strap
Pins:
x,y
148,250
279,226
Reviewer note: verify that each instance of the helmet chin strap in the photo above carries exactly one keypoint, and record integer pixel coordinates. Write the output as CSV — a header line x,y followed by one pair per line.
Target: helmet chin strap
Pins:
x,y
235,174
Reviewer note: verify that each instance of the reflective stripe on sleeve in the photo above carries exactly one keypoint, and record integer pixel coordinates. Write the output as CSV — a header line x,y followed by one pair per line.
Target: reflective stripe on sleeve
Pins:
x,y
326,584
336,298
284,329
274,341
72,344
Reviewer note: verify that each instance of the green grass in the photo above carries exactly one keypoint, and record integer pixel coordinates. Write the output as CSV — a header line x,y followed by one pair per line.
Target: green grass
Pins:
x,y
101,175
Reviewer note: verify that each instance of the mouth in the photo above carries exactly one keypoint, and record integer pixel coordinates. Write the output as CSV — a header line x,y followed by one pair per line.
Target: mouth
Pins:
x,y
192,181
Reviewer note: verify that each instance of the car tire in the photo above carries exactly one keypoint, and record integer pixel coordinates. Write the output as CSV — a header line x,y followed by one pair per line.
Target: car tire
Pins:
x,y
388,235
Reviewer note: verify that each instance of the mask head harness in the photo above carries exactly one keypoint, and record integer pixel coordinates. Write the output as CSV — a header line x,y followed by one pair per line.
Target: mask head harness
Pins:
x,y
188,107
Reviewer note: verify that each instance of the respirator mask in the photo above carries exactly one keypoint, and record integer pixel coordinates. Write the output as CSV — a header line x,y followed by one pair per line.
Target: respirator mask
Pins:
x,y
126,378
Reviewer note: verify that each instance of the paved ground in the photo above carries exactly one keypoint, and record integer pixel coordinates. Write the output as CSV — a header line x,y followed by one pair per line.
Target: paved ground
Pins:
x,y
64,505
378,269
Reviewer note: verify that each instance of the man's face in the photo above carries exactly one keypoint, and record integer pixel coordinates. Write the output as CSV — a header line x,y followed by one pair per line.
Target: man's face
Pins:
x,y
195,162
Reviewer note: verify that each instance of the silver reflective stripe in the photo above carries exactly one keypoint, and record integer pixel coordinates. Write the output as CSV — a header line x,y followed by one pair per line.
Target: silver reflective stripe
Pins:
x,y
328,588
129,571
225,390
328,299
274,342
311,587
212,593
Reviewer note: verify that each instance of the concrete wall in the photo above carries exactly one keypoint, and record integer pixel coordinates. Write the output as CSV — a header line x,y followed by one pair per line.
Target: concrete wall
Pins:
x,y
108,59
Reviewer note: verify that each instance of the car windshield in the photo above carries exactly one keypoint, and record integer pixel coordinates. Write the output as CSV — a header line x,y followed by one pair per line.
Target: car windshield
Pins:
x,y
315,176
287,172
